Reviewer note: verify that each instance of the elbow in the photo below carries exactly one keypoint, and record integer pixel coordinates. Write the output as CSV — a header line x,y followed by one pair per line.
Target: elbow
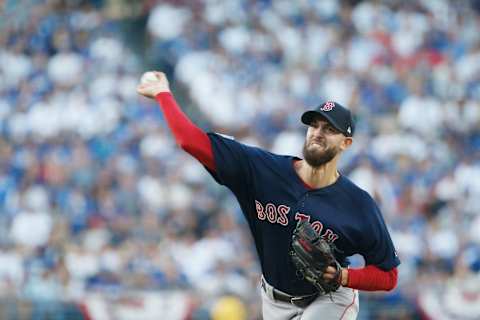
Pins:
x,y
183,143
189,148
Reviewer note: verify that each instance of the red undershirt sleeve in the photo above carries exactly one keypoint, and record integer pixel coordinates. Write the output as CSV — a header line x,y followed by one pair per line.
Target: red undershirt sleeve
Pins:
x,y
372,278
187,135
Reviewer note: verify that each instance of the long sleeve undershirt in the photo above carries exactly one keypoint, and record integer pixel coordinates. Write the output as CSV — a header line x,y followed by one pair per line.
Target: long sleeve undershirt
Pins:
x,y
196,142
371,278
187,135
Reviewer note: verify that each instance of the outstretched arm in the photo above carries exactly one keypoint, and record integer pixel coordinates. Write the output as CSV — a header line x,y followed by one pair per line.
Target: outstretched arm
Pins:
x,y
187,135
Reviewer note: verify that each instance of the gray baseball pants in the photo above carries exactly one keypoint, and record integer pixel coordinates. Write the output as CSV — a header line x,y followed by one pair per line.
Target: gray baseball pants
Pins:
x,y
343,305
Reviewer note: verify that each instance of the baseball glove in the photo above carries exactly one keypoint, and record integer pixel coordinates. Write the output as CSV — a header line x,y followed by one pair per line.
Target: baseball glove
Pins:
x,y
311,255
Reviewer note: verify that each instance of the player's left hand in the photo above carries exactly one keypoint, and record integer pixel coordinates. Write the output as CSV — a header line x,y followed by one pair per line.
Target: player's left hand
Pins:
x,y
331,272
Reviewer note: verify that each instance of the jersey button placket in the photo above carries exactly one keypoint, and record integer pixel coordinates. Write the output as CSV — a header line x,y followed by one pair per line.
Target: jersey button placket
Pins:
x,y
304,199
300,206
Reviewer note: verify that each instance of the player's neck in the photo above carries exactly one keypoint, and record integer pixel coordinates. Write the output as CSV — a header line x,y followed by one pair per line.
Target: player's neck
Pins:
x,y
318,177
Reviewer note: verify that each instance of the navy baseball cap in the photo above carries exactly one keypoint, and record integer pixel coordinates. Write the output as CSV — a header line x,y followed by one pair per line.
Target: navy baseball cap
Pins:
x,y
336,114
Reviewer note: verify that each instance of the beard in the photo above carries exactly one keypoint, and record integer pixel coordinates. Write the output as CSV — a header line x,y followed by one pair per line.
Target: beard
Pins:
x,y
317,158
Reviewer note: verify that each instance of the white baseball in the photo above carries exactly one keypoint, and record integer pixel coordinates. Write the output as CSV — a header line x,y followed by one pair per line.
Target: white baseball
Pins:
x,y
148,77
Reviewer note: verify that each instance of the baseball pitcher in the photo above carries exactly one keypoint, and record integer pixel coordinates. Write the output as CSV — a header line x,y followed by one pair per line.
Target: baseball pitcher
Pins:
x,y
306,218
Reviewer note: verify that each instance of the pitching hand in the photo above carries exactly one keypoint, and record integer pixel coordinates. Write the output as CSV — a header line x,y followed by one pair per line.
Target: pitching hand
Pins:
x,y
152,86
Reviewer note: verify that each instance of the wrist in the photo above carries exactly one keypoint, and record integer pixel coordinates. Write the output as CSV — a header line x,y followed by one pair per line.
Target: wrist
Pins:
x,y
162,92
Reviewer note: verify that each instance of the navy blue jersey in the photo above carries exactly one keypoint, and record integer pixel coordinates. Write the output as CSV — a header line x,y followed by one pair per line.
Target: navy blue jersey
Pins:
x,y
273,198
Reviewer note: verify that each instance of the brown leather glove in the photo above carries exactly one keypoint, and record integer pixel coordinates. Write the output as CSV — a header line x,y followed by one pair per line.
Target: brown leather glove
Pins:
x,y
311,255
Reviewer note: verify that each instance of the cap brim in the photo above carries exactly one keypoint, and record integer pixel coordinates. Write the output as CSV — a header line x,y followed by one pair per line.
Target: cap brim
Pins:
x,y
308,116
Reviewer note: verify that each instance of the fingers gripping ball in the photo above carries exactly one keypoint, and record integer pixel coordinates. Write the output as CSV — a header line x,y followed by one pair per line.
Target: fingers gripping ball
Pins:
x,y
152,83
312,255
148,77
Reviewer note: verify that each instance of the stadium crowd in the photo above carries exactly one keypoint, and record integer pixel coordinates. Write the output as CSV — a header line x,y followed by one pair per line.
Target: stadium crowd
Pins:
x,y
95,196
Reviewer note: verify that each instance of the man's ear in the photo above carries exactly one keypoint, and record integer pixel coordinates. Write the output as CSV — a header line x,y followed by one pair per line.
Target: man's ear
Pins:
x,y
346,143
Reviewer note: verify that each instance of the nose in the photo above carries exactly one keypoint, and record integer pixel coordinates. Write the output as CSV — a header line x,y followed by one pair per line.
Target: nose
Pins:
x,y
317,132
317,136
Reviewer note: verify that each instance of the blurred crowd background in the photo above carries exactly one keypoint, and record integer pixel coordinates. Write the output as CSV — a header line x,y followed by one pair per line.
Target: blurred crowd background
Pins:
x,y
103,217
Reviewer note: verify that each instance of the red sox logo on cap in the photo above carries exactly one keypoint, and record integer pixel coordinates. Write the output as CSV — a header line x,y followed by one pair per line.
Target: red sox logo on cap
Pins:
x,y
328,106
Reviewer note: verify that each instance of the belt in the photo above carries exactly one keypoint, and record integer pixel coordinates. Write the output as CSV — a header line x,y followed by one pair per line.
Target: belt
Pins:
x,y
298,301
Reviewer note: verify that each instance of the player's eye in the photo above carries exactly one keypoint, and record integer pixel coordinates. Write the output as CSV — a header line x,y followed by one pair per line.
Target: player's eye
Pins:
x,y
330,129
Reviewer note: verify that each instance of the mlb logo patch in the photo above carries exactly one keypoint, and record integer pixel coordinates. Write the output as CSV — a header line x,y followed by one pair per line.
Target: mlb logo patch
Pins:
x,y
328,106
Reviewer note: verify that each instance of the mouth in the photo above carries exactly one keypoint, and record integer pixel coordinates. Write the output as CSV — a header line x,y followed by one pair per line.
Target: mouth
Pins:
x,y
317,142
